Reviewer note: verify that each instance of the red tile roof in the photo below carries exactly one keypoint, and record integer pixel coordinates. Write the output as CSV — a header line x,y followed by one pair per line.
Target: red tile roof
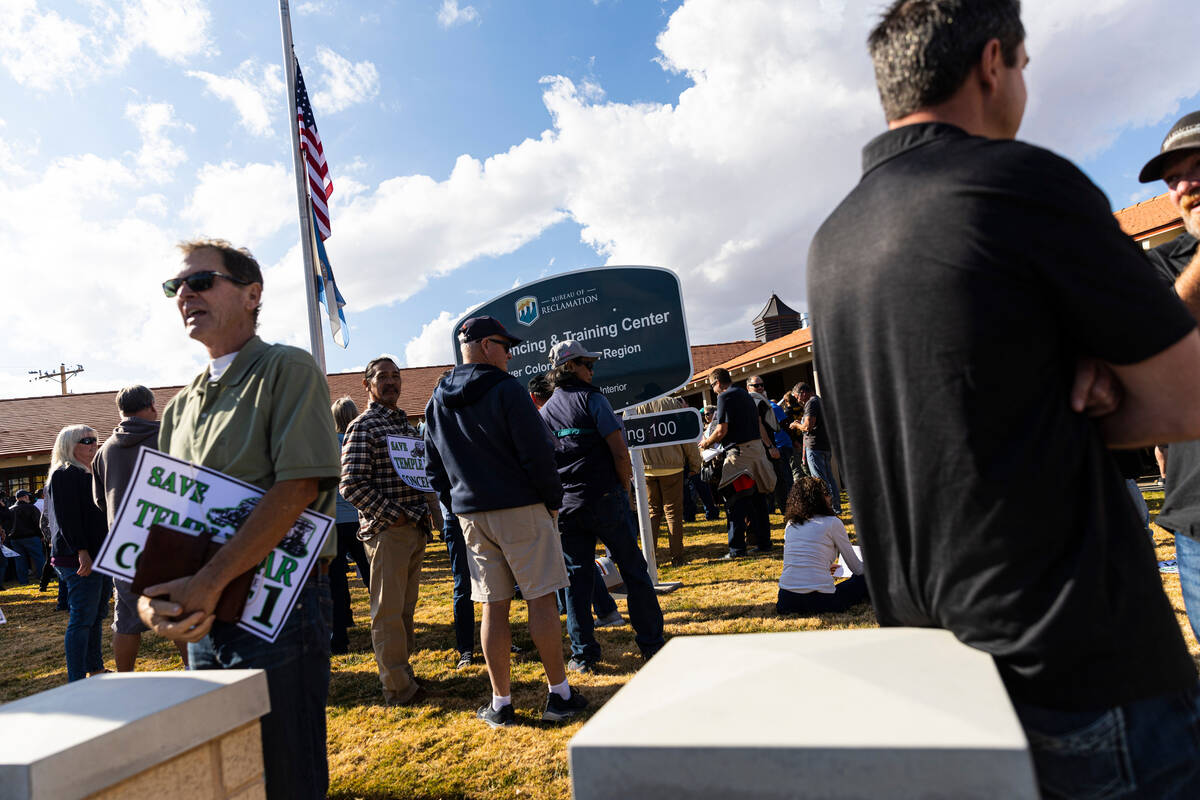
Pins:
x,y
707,356
29,425
1148,217
760,352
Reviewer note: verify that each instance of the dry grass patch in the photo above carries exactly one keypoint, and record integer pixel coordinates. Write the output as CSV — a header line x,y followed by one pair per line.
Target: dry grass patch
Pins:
x,y
438,749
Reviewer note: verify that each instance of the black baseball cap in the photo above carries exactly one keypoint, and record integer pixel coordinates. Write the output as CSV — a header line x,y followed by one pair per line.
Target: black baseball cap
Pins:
x,y
1184,135
24,493
477,328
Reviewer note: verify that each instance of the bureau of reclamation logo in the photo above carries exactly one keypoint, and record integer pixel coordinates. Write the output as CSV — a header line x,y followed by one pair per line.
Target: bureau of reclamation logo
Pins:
x,y
527,310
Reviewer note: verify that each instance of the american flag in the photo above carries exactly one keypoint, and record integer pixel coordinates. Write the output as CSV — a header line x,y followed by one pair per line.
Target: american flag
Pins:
x,y
320,187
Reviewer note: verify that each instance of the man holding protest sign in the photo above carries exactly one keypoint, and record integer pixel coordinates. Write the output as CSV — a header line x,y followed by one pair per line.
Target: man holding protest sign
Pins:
x,y
394,521
258,413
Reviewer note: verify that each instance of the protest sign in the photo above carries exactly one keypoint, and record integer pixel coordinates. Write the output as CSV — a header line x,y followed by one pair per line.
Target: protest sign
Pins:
x,y
192,498
632,316
408,459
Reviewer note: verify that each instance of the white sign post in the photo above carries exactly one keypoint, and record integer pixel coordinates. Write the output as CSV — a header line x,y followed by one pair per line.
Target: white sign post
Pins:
x,y
197,500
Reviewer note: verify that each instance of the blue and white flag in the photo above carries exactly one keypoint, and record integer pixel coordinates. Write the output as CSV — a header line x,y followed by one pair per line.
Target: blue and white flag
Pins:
x,y
326,288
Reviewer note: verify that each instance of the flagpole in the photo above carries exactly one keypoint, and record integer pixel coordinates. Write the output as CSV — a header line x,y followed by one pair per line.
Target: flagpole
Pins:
x,y
316,345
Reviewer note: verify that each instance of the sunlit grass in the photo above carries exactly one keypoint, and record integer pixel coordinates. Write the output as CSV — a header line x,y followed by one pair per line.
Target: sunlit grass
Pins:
x,y
438,749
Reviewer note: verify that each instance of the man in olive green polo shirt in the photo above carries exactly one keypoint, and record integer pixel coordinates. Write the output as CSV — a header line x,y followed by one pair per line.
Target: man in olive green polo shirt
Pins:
x,y
260,413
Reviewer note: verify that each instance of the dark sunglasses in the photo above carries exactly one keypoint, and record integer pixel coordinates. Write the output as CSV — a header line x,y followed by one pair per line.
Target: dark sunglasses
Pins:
x,y
88,440
589,365
507,345
198,282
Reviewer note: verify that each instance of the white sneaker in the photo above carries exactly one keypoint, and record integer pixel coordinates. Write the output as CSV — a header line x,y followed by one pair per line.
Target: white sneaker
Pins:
x,y
610,620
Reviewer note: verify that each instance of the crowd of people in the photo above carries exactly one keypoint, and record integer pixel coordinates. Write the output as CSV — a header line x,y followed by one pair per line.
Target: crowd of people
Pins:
x,y
948,436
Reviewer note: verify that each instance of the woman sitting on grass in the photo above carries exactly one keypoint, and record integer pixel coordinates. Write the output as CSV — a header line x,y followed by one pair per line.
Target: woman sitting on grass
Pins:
x,y
811,541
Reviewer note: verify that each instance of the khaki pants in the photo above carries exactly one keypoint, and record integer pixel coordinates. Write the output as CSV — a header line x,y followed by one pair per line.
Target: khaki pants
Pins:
x,y
666,495
395,556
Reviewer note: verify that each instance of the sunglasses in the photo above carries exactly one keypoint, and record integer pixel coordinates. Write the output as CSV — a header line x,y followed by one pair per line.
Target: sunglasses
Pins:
x,y
589,365
507,345
198,282
88,440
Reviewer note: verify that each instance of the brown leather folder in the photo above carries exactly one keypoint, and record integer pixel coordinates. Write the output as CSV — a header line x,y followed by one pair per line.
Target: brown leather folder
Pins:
x,y
172,553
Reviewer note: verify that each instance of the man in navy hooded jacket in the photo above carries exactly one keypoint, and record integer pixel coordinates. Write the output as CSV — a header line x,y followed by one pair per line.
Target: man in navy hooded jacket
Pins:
x,y
490,458
593,463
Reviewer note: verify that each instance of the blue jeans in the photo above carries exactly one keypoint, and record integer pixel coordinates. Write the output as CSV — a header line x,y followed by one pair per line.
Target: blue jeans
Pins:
x,y
1187,554
702,492
607,519
783,477
460,569
297,667
1147,748
818,465
87,601
602,600
32,560
748,516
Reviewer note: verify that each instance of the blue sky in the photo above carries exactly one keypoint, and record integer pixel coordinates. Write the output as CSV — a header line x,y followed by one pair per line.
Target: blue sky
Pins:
x,y
472,146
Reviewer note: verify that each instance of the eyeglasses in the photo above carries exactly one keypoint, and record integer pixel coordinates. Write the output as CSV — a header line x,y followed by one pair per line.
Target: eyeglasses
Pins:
x,y
198,282
756,385
507,345
588,365
88,440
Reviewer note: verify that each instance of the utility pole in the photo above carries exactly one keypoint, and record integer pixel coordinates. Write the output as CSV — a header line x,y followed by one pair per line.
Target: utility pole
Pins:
x,y
62,374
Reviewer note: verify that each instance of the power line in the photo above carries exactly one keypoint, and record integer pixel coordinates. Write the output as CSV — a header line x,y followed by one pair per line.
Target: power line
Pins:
x,y
62,373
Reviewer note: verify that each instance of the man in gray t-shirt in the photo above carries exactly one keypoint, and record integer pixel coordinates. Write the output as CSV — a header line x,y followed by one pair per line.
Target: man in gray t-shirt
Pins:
x,y
817,449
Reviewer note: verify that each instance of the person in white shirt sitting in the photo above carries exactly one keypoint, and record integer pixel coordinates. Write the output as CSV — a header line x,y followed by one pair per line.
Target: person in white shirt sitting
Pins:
x,y
811,542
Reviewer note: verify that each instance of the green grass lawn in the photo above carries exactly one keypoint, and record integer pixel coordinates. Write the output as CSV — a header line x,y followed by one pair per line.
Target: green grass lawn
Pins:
x,y
438,749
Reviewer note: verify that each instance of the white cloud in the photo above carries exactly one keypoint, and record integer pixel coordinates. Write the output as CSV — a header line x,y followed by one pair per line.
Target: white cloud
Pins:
x,y
314,7
344,84
84,248
256,91
244,204
46,50
433,345
727,184
1099,68
174,29
158,155
42,51
450,14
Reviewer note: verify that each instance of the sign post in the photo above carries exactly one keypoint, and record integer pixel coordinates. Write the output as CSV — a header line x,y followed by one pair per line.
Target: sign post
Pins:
x,y
676,426
632,316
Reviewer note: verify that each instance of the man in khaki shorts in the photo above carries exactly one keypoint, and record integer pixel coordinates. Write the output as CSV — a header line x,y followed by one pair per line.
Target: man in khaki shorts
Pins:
x,y
490,458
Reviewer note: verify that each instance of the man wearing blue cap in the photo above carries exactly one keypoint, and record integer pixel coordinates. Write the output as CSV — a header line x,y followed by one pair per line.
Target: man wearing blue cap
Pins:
x,y
490,458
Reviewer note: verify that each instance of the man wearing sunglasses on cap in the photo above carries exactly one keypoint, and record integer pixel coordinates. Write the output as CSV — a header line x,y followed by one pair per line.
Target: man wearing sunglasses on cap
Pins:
x,y
1178,263
260,413
593,463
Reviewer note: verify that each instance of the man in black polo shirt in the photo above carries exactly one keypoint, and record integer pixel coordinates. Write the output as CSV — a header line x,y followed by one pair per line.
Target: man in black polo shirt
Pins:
x,y
979,351
1178,264
745,441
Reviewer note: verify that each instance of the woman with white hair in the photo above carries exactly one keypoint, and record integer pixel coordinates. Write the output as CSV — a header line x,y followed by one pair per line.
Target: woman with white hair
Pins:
x,y
78,530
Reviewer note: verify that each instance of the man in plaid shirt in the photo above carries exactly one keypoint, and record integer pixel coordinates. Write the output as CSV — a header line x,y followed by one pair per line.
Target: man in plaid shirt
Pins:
x,y
394,521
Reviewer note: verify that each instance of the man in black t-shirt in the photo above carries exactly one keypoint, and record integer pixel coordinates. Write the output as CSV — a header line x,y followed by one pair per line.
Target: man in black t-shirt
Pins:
x,y
1178,264
818,452
979,353
742,436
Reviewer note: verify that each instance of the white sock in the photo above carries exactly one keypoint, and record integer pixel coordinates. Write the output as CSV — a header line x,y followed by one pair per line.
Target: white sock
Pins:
x,y
499,702
563,690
